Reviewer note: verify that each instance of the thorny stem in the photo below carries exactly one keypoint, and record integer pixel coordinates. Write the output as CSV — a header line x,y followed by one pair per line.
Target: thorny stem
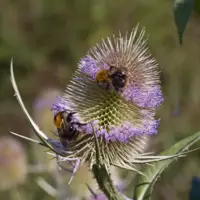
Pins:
x,y
105,183
102,176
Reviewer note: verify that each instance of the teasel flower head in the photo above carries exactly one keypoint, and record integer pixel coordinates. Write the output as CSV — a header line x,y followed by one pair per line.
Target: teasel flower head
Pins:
x,y
122,119
13,163
113,94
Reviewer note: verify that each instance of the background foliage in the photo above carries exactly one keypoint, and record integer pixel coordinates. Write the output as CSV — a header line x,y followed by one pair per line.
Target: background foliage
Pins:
x,y
48,38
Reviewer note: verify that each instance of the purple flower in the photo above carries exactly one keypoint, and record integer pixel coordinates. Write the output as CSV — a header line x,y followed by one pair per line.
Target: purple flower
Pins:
x,y
60,105
144,97
122,119
88,66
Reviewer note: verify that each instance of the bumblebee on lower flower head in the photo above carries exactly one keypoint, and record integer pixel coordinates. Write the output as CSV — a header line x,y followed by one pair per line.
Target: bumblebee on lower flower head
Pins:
x,y
67,130
113,77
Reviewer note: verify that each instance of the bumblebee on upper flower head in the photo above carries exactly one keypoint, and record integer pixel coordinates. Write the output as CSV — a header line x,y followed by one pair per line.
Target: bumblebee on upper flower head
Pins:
x,y
112,77
66,128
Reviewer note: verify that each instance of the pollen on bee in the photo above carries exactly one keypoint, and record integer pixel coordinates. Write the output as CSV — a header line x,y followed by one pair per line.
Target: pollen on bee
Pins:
x,y
102,76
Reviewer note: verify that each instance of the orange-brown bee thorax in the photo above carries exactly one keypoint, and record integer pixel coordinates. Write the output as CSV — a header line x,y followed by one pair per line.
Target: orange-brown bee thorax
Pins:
x,y
102,76
58,119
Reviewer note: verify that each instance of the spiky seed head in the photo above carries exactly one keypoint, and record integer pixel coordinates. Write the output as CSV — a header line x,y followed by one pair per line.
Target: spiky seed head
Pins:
x,y
123,120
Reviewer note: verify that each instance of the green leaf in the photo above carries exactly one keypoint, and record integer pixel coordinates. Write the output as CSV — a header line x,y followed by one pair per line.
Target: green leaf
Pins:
x,y
182,10
144,184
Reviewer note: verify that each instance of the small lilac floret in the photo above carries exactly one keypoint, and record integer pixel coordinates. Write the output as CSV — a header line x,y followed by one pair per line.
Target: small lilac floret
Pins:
x,y
126,131
150,98
89,128
123,132
60,105
89,66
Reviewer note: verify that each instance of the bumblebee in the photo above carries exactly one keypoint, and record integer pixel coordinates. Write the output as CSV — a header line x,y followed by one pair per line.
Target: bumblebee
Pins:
x,y
66,129
113,77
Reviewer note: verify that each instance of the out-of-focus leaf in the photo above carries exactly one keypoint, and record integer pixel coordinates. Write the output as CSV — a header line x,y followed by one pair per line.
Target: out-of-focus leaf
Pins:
x,y
197,6
144,184
182,10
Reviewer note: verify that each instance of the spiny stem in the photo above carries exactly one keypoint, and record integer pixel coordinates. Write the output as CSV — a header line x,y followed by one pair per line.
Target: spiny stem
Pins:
x,y
102,176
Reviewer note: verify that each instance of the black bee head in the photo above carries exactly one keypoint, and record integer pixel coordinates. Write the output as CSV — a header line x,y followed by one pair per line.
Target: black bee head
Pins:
x,y
118,79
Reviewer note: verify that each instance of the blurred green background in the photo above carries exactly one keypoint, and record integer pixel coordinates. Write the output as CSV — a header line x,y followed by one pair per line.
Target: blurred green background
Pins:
x,y
47,38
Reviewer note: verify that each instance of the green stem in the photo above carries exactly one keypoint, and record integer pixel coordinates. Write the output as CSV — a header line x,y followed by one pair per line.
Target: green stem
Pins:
x,y
102,176
105,183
